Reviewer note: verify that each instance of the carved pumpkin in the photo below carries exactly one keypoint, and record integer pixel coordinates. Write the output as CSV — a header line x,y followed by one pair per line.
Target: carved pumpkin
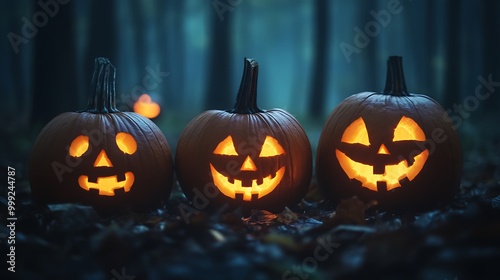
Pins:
x,y
252,184
393,146
101,156
245,156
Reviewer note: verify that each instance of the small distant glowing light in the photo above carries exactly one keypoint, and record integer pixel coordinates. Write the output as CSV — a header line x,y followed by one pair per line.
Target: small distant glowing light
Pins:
x,y
147,107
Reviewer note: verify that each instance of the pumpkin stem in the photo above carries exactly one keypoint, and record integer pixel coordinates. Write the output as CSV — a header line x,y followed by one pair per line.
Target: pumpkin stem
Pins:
x,y
246,101
395,82
102,98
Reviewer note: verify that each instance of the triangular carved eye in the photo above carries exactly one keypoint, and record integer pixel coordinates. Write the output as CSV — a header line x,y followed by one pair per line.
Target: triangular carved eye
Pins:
x,y
408,130
271,148
356,133
226,147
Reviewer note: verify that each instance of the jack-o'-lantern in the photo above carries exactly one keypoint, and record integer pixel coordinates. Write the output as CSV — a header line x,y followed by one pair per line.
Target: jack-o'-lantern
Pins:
x,y
384,168
100,156
395,147
246,156
252,184
105,185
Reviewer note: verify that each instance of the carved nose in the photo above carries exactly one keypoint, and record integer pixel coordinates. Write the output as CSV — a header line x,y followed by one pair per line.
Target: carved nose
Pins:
x,y
383,150
248,165
102,160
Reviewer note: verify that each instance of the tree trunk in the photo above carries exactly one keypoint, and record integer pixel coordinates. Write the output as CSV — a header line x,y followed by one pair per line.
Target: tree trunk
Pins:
x,y
318,81
219,94
491,46
102,40
54,67
453,56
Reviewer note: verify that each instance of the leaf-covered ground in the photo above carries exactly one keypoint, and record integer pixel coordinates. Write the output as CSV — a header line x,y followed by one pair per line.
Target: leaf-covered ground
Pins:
x,y
314,240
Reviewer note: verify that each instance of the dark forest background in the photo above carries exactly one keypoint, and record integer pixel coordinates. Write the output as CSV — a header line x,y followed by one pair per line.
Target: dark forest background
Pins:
x,y
198,48
188,55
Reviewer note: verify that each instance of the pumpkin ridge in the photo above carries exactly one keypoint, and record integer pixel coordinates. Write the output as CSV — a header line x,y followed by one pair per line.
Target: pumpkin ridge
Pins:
x,y
415,108
140,121
360,106
271,123
292,122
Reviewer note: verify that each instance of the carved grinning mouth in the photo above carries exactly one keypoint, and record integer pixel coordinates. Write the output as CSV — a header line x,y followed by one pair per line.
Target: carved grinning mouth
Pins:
x,y
231,189
391,176
107,185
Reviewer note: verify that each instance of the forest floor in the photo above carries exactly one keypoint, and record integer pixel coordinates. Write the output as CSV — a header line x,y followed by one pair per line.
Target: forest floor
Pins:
x,y
314,240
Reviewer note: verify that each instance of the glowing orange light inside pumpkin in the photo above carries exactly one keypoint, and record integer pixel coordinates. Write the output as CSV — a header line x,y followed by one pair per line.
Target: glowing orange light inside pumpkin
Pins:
x,y
79,146
108,184
408,129
270,148
147,107
383,150
102,160
226,147
126,143
232,189
248,165
356,133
